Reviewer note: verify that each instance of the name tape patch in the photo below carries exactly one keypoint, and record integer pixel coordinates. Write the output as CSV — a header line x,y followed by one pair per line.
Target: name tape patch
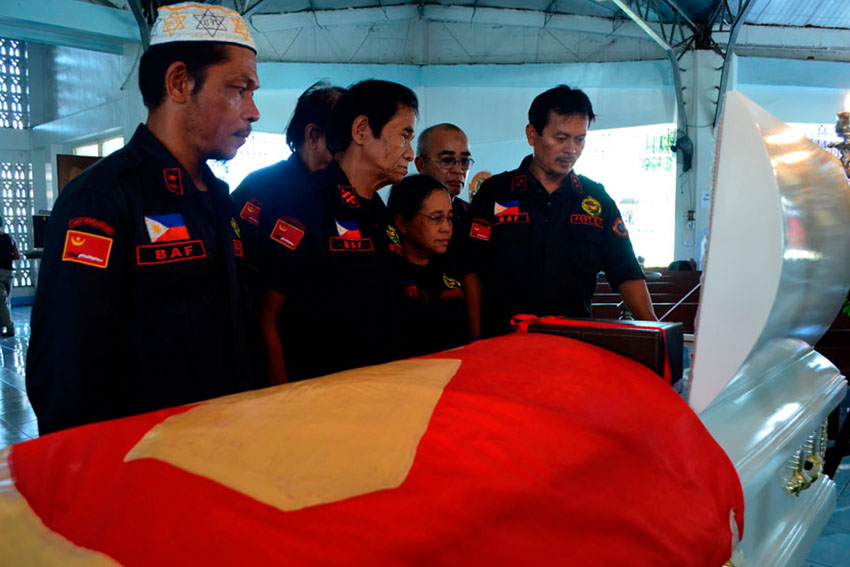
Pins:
x,y
587,220
343,244
167,252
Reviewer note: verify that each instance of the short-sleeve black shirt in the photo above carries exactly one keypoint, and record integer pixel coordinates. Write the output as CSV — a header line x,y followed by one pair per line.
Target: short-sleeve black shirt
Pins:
x,y
263,188
139,304
329,251
540,253
433,307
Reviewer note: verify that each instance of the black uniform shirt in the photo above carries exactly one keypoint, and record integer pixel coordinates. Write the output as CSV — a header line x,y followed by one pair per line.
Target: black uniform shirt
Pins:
x,y
433,310
260,190
460,228
138,305
328,251
539,253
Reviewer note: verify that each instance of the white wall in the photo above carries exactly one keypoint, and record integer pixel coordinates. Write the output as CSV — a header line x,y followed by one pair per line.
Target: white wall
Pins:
x,y
490,102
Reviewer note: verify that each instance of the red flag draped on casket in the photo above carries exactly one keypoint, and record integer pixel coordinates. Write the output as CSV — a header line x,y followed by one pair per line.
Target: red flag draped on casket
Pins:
x,y
528,449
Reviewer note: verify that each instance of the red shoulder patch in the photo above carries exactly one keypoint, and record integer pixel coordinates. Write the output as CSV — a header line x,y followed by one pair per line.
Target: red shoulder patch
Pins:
x,y
251,212
287,234
173,180
480,231
86,248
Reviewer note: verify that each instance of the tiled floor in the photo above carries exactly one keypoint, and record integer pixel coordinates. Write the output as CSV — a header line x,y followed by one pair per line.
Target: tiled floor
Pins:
x,y
17,423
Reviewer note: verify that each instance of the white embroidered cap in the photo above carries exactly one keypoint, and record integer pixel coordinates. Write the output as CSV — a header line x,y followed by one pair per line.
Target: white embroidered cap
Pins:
x,y
192,21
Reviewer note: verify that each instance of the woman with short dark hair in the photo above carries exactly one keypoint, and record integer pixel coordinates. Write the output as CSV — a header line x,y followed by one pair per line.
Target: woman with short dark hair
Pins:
x,y
433,307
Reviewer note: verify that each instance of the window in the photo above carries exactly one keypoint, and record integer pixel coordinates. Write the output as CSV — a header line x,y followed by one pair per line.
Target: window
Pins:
x,y
101,148
821,134
14,92
16,195
259,150
638,169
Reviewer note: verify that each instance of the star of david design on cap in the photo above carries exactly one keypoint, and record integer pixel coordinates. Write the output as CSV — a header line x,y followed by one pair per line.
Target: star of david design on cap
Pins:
x,y
173,23
241,28
210,22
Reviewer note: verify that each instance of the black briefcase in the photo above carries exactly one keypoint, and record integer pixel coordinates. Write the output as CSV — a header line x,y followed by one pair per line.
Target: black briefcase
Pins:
x,y
657,345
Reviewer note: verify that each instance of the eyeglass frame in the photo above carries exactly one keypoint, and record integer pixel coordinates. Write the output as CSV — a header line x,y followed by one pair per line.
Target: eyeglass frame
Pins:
x,y
438,220
454,160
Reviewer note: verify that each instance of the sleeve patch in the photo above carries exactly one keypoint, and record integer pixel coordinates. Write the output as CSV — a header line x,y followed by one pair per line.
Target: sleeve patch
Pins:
x,y
287,234
251,213
620,228
86,248
479,231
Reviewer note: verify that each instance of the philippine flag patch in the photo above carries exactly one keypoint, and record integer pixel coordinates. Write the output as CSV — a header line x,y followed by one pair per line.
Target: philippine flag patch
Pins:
x,y
506,208
349,230
165,228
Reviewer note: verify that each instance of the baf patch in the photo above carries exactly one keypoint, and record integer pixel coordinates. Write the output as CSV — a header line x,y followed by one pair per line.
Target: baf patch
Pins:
x,y
620,228
168,252
86,248
591,206
350,238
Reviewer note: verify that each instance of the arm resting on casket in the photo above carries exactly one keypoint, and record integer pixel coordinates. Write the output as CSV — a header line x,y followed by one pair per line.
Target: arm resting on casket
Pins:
x,y
270,310
637,298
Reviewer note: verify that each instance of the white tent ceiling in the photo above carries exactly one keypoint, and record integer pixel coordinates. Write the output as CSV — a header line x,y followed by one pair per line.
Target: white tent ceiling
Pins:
x,y
534,31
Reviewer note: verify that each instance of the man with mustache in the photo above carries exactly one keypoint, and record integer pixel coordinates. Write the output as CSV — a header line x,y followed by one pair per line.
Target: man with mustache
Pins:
x,y
139,304
330,303
540,234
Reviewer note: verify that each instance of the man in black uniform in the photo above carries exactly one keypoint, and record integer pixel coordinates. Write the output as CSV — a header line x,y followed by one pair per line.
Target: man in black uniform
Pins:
x,y
329,244
443,153
540,234
306,136
139,305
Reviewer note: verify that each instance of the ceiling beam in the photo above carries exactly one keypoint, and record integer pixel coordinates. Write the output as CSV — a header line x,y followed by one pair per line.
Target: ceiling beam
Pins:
x,y
250,11
681,116
144,30
737,23
446,14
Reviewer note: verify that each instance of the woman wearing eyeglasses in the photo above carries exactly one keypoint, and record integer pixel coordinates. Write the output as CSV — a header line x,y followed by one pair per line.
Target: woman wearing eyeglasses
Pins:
x,y
433,308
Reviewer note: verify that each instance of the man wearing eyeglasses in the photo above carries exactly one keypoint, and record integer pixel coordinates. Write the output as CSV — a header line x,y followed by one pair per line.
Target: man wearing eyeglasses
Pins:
x,y
443,153
540,234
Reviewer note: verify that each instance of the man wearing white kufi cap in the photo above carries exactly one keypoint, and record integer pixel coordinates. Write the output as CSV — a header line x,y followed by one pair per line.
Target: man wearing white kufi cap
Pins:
x,y
139,304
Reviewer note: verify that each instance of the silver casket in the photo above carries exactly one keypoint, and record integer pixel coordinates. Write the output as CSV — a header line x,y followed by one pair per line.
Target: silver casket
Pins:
x,y
776,272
